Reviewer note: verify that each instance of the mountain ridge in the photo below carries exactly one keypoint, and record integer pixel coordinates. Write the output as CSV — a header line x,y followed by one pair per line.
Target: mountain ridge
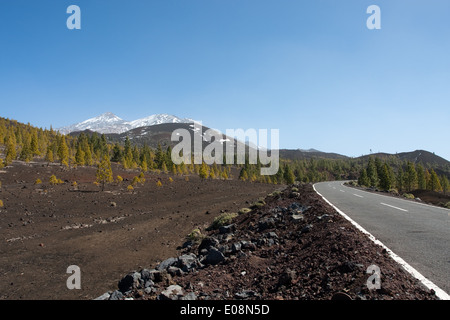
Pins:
x,y
162,125
108,123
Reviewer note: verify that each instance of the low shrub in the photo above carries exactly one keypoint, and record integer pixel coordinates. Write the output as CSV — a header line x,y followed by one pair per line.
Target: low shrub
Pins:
x,y
53,180
408,196
195,236
274,194
394,191
1,204
447,205
258,204
244,210
135,181
159,183
38,181
222,220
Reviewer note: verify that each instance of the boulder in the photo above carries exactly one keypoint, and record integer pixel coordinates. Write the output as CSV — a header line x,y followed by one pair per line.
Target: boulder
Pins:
x,y
130,281
116,295
227,229
167,263
173,292
214,256
188,262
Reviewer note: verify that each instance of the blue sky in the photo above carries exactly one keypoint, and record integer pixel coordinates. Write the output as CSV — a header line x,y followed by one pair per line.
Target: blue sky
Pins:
x,y
309,68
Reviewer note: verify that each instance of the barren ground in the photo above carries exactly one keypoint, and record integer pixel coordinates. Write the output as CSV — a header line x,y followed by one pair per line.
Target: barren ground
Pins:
x,y
44,229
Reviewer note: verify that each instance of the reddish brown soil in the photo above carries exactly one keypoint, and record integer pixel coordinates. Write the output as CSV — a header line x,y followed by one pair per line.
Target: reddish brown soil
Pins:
x,y
432,197
44,229
318,257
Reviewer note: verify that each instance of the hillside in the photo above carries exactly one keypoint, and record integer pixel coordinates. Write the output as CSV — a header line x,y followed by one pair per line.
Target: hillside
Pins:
x,y
299,154
418,156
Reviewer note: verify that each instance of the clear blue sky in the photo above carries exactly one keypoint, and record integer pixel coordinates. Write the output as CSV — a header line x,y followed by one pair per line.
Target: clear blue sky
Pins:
x,y
309,68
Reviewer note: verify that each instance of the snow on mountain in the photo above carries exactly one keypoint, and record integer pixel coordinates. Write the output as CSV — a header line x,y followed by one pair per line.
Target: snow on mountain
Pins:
x,y
110,123
157,119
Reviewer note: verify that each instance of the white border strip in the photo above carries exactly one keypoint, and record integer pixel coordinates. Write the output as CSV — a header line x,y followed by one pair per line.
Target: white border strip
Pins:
x,y
396,198
441,294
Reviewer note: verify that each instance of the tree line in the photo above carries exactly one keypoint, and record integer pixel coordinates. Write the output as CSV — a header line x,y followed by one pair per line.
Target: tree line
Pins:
x,y
25,142
407,177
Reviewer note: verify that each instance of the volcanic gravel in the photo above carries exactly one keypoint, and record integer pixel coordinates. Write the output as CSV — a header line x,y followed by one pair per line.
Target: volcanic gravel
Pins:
x,y
291,246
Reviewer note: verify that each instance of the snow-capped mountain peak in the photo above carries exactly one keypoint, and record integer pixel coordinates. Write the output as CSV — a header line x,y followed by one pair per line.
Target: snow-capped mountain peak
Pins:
x,y
110,123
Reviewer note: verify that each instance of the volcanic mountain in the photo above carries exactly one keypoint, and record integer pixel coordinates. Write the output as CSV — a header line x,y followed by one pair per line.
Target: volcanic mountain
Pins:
x,y
110,123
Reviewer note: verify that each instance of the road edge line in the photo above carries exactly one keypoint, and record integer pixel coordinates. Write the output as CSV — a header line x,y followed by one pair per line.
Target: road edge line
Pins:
x,y
441,294
405,200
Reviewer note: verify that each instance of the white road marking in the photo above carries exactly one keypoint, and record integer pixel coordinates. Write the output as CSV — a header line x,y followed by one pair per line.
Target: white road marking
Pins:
x,y
400,199
341,190
384,204
358,195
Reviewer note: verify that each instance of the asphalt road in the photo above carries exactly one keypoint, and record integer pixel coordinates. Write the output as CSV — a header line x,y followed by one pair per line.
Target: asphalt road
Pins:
x,y
418,233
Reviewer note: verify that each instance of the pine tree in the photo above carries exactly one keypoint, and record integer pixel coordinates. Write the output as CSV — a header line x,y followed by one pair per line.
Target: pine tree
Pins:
x,y
363,179
80,156
10,152
116,153
435,185
144,166
444,183
243,175
224,175
372,172
385,178
421,182
427,179
63,151
410,177
399,179
26,154
87,154
49,155
204,171
104,173
34,144
288,175
164,167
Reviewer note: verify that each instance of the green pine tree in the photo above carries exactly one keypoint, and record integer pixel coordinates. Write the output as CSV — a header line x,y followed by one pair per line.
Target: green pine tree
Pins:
x,y
410,177
104,173
288,175
435,184
385,178
372,172
363,179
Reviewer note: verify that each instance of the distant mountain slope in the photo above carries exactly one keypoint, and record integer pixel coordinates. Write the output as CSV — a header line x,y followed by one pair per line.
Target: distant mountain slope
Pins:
x,y
300,154
417,156
161,134
110,123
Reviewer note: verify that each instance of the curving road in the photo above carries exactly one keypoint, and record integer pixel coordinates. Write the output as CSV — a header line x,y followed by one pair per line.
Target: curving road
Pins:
x,y
418,233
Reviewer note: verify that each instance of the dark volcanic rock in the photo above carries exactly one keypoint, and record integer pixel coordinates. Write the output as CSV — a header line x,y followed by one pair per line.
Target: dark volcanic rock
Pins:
x,y
292,248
